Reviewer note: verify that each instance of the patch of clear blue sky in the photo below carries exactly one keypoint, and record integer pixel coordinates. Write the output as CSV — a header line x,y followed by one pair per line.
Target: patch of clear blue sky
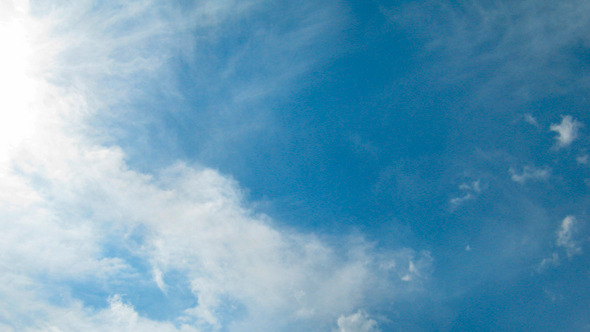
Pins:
x,y
375,124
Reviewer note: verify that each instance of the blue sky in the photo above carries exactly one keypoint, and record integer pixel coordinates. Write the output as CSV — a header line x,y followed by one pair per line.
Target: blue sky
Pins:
x,y
346,166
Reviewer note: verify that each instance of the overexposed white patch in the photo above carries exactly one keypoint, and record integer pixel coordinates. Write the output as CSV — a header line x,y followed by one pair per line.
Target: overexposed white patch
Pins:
x,y
18,86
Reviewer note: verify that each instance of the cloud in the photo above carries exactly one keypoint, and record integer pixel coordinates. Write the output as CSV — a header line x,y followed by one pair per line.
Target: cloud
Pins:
x,y
530,173
567,130
564,239
550,262
565,236
146,64
471,191
83,215
84,233
75,213
531,120
520,49
357,322
28,311
90,217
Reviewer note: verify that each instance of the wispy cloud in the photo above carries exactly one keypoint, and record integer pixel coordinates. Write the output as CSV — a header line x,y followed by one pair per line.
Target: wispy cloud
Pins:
x,y
583,159
567,130
530,119
565,236
471,190
565,239
75,212
530,173
520,49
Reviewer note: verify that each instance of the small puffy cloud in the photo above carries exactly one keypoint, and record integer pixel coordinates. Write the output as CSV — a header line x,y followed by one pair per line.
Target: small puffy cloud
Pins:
x,y
530,173
567,130
565,235
357,322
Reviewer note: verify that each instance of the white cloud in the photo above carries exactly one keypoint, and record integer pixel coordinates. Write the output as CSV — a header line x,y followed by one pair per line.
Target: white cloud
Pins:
x,y
564,239
357,322
72,209
565,236
530,173
195,220
567,130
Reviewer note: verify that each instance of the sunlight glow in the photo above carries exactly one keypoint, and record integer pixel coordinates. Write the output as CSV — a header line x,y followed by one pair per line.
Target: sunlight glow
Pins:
x,y
18,86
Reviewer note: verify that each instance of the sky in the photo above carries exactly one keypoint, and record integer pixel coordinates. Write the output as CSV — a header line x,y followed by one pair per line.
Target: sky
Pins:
x,y
255,165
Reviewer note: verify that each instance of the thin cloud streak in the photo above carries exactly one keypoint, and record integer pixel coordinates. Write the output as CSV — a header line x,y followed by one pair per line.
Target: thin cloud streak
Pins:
x,y
530,173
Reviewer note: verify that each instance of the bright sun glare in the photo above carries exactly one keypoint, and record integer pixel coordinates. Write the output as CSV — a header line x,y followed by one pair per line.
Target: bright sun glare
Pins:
x,y
18,86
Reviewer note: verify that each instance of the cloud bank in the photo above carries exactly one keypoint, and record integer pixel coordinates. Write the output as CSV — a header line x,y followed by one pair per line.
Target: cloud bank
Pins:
x,y
84,235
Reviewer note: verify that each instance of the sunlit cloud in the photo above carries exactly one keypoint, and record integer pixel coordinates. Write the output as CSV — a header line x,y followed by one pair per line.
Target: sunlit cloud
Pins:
x,y
76,213
567,130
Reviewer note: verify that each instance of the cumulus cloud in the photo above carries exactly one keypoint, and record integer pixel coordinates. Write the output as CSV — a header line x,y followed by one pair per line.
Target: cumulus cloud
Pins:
x,y
357,322
530,173
567,130
83,199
